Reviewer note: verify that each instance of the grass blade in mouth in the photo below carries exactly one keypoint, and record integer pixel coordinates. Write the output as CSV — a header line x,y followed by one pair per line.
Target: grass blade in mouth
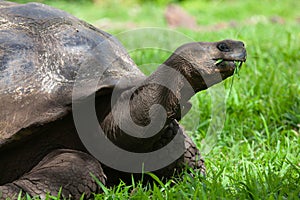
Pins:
x,y
218,61
238,65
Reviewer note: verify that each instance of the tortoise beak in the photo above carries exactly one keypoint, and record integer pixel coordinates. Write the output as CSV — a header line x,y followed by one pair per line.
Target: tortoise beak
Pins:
x,y
242,56
237,57
227,66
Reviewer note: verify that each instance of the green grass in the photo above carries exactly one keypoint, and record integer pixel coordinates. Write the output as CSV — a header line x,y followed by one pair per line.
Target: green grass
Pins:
x,y
257,153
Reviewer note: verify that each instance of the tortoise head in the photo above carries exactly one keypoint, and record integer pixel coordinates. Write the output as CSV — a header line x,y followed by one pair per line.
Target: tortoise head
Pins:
x,y
207,63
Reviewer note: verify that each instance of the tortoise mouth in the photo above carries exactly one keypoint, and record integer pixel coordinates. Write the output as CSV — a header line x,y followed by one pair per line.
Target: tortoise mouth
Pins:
x,y
232,62
224,65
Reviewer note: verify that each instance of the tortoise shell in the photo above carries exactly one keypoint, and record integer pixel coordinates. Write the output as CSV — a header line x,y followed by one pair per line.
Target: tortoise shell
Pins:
x,y
41,55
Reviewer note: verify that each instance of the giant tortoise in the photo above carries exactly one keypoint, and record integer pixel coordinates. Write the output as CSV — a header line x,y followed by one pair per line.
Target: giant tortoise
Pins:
x,y
49,64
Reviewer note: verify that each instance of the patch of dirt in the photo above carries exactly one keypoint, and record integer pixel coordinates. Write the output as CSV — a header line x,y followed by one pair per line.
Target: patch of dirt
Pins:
x,y
176,17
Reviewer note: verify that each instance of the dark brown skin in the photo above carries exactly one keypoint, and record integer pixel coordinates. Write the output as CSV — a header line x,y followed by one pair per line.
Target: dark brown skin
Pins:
x,y
197,63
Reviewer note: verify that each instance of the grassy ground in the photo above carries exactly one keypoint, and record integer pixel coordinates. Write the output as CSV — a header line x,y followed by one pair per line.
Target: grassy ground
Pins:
x,y
256,154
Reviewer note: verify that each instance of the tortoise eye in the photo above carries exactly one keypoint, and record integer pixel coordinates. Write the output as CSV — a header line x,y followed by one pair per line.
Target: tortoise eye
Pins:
x,y
223,47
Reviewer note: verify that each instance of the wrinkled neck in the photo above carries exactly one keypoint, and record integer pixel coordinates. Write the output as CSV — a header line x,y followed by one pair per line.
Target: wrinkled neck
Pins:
x,y
165,87
193,76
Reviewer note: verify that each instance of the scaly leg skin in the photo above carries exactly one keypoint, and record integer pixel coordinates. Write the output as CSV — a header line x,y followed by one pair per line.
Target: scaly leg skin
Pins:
x,y
191,157
62,168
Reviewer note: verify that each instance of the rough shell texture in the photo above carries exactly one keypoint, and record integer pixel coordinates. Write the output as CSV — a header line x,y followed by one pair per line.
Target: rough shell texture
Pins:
x,y
43,51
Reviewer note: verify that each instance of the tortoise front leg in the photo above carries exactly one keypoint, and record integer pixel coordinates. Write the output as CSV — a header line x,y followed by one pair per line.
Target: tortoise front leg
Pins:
x,y
64,169
191,157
